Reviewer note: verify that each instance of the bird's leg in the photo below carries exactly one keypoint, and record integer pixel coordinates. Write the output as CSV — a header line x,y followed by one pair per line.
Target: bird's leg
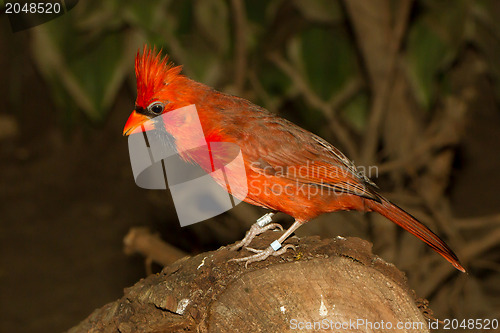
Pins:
x,y
274,249
257,228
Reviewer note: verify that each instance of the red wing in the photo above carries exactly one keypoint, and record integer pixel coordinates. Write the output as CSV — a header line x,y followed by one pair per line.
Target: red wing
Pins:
x,y
314,162
275,146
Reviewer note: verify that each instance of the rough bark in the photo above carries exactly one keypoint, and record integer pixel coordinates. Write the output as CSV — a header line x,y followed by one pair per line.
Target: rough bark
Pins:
x,y
327,282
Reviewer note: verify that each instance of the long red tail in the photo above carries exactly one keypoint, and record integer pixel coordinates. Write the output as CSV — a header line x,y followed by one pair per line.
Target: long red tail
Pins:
x,y
412,225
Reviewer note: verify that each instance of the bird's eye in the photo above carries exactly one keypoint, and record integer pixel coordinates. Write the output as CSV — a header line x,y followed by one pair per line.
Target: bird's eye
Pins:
x,y
156,107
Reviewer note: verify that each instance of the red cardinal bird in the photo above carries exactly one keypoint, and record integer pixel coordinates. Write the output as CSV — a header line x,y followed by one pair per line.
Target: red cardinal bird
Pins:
x,y
288,168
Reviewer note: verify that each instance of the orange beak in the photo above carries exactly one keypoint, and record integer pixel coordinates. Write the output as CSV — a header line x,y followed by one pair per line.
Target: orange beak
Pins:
x,y
136,123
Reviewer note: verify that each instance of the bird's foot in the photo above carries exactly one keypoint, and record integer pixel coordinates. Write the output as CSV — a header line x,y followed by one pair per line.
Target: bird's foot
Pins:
x,y
254,231
263,254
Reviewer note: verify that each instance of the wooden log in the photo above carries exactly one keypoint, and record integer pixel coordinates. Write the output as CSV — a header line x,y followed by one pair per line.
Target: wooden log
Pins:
x,y
332,285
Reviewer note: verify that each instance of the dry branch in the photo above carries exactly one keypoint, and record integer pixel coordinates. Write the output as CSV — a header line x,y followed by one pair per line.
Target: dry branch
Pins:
x,y
327,108
240,26
141,240
379,41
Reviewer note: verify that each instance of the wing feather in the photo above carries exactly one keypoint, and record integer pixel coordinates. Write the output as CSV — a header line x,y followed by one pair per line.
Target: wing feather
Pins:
x,y
305,158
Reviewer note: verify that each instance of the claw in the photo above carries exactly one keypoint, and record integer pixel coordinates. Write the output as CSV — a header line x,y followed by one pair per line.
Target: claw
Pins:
x,y
274,249
251,249
263,254
254,231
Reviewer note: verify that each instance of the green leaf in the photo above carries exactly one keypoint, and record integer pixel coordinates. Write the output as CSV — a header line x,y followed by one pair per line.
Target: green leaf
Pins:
x,y
324,11
356,112
329,59
98,73
425,55
89,69
434,41
273,80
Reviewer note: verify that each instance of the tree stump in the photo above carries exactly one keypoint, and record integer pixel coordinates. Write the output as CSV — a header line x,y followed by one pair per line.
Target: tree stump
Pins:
x,y
332,285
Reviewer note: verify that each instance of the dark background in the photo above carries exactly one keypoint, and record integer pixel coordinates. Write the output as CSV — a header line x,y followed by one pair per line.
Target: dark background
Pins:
x,y
409,86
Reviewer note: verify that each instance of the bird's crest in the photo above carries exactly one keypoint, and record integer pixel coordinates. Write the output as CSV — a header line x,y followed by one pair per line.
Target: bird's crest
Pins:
x,y
153,74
